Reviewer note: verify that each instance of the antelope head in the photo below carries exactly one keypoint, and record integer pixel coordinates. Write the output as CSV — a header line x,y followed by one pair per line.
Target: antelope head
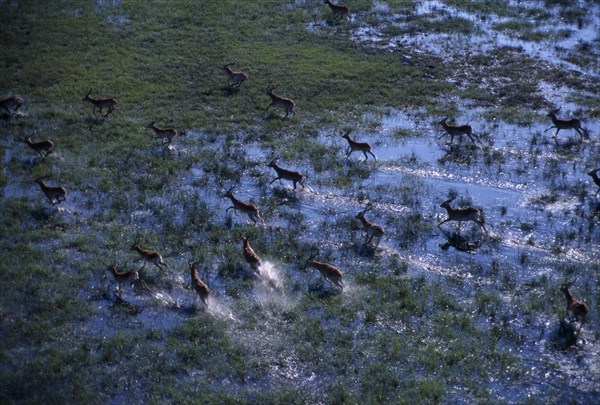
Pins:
x,y
135,245
228,192
447,202
309,260
553,112
566,285
363,212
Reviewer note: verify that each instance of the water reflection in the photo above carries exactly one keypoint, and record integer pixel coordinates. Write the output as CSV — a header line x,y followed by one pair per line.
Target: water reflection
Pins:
x,y
460,243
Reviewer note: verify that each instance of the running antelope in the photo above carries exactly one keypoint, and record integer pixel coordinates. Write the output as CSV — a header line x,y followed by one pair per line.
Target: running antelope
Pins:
x,y
199,286
371,230
250,256
338,10
290,175
149,256
363,147
43,148
329,272
101,103
559,124
123,277
574,306
277,101
458,130
164,134
235,78
13,102
56,194
247,208
462,214
594,174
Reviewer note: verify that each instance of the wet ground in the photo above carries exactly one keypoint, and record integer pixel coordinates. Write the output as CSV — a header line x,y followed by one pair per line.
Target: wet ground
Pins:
x,y
540,208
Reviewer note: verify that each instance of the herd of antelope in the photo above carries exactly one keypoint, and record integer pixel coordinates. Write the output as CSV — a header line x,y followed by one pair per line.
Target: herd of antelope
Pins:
x,y
372,232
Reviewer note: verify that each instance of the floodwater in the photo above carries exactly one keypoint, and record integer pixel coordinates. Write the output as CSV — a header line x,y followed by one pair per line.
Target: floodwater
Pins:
x,y
540,213
536,197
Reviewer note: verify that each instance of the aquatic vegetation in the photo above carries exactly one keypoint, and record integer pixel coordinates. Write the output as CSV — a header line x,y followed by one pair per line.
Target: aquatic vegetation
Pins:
x,y
425,315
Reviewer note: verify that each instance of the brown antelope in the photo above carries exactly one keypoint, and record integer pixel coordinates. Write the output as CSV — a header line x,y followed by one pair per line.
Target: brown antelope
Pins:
x,y
458,130
559,124
371,230
101,103
247,208
277,101
123,277
250,256
235,78
594,174
290,175
574,306
149,256
462,214
43,148
329,272
164,134
56,194
199,286
338,10
13,102
363,147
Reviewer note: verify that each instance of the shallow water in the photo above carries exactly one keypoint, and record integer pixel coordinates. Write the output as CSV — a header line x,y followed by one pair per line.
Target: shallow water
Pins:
x,y
535,198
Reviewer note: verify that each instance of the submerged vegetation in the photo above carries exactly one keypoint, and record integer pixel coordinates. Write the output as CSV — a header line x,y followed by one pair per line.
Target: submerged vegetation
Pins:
x,y
426,314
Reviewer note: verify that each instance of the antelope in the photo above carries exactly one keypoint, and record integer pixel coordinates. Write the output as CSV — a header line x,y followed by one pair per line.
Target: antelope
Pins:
x,y
329,272
559,124
458,130
290,175
594,174
462,214
235,78
101,103
239,205
122,277
149,256
363,147
199,286
166,134
56,194
250,256
43,148
277,101
339,10
576,307
13,102
371,230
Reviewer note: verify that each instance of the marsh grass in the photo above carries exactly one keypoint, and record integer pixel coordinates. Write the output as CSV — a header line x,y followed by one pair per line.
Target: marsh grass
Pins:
x,y
394,335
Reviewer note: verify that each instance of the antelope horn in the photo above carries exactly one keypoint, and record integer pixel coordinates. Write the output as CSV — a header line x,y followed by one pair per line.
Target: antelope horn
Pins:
x,y
569,284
